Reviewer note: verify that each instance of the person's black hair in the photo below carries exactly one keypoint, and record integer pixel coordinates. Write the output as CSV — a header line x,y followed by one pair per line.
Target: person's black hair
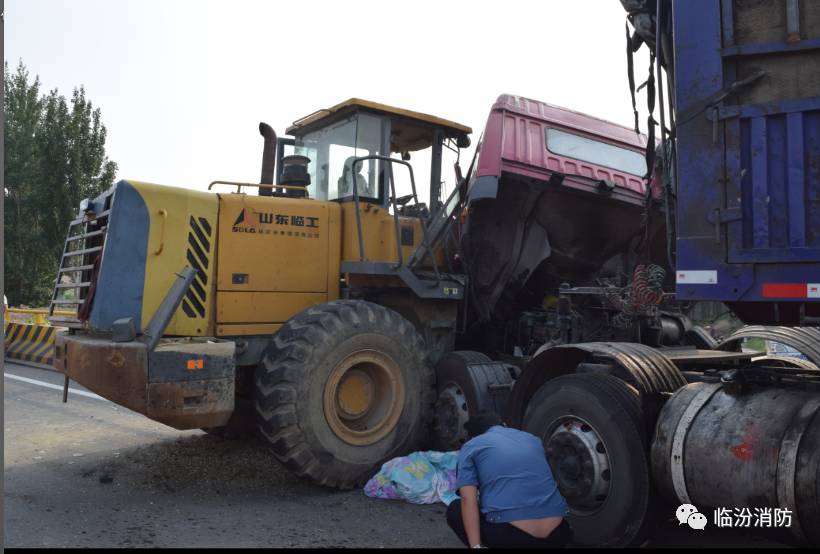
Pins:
x,y
480,423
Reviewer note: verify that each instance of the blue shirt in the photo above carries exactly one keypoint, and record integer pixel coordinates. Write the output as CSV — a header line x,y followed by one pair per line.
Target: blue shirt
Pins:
x,y
514,480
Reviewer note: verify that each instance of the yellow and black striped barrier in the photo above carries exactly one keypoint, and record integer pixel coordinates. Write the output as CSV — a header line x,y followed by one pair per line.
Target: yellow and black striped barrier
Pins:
x,y
30,343
29,338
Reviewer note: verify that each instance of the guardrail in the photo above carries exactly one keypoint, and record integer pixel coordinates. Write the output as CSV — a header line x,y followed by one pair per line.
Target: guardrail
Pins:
x,y
29,337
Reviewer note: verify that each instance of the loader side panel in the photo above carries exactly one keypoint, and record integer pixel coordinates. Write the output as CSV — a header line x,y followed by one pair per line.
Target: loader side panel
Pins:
x,y
182,232
277,257
153,232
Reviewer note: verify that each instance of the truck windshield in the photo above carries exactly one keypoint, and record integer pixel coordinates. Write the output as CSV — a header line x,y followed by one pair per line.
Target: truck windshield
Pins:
x,y
332,150
596,152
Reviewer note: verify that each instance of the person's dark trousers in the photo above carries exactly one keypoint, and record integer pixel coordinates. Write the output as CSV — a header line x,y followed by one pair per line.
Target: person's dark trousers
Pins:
x,y
504,535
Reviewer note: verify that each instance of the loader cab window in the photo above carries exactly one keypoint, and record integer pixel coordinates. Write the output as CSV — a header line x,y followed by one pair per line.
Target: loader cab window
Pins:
x,y
332,151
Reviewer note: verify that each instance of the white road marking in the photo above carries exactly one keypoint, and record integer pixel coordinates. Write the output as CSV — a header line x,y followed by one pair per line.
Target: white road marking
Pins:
x,y
55,387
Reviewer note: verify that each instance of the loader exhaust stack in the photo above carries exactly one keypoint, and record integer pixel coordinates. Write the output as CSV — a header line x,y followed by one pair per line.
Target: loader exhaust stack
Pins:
x,y
268,158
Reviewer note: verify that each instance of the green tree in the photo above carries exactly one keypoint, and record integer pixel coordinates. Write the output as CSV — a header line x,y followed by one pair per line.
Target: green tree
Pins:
x,y
55,157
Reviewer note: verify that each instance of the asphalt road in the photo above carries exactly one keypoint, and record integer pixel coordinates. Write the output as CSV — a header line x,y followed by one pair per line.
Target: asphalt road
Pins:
x,y
91,474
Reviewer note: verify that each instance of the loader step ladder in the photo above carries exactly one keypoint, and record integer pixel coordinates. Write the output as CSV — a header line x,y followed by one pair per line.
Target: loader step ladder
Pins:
x,y
425,284
83,246
438,231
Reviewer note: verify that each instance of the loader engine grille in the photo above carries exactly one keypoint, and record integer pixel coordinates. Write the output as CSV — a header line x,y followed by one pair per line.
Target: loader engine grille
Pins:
x,y
199,256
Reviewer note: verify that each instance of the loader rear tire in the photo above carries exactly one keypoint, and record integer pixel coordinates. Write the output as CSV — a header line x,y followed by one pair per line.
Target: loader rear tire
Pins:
x,y
343,387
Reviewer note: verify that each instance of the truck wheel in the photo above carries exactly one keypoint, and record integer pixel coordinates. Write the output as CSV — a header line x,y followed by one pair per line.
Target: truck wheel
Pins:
x,y
593,433
343,387
463,381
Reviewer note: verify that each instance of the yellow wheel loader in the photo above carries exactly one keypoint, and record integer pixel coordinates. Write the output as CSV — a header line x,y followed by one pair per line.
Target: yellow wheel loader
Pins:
x,y
311,306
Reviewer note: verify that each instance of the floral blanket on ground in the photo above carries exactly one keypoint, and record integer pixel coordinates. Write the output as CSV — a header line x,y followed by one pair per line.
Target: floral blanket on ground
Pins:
x,y
419,478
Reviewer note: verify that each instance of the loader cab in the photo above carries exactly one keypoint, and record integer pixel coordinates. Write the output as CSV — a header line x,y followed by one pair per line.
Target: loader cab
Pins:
x,y
349,144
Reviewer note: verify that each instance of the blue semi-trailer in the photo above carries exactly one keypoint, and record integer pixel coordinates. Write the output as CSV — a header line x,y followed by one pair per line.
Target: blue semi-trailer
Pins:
x,y
747,107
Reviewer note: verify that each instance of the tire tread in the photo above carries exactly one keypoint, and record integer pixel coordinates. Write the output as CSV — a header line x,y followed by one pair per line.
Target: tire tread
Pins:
x,y
282,371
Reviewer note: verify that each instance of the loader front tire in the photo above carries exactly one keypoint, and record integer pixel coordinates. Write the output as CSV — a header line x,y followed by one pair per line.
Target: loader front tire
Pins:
x,y
343,387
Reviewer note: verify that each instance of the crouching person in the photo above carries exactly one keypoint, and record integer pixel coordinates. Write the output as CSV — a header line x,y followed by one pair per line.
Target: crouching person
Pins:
x,y
508,496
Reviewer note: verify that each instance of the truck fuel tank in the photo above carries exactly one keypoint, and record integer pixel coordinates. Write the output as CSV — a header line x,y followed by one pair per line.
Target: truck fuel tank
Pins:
x,y
757,450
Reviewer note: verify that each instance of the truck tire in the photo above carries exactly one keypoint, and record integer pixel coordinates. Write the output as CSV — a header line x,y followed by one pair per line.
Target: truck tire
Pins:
x,y
343,387
593,432
463,381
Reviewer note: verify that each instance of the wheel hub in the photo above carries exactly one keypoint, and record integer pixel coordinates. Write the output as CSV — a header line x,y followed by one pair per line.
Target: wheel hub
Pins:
x,y
364,397
580,463
355,394
451,416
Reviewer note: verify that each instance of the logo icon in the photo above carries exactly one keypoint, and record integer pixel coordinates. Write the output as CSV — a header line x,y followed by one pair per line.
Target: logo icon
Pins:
x,y
246,222
697,521
688,513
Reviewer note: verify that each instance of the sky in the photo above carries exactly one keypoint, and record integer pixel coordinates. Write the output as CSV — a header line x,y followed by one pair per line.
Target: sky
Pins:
x,y
183,84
